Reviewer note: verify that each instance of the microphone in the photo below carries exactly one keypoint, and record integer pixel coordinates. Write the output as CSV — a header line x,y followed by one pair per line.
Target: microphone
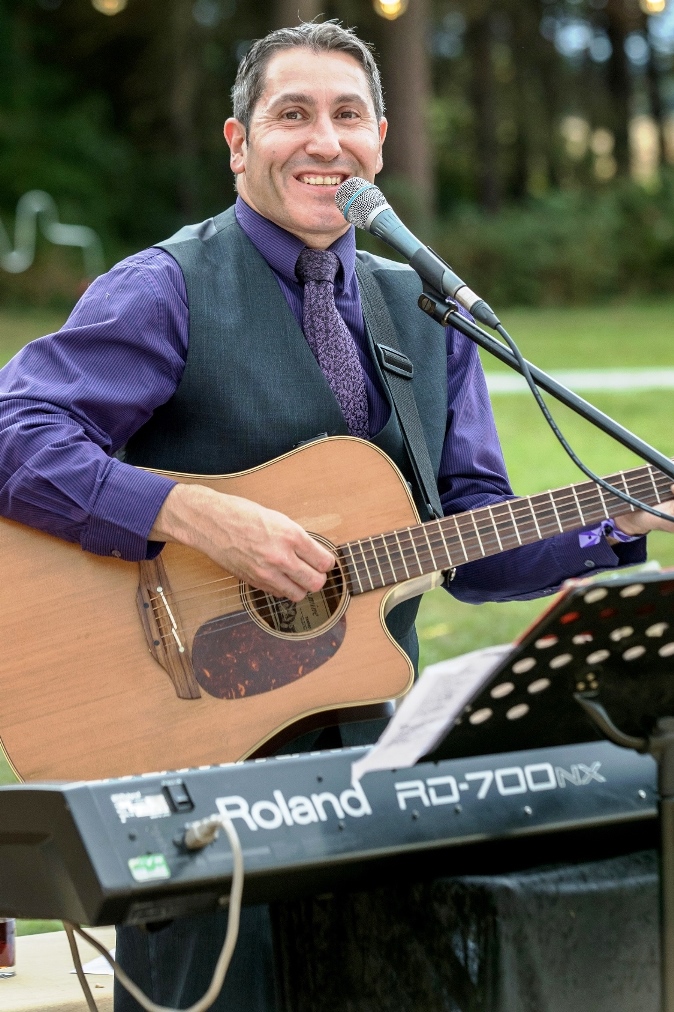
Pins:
x,y
365,206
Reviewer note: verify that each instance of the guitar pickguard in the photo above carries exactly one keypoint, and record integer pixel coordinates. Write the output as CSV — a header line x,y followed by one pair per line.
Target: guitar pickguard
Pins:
x,y
271,642
233,657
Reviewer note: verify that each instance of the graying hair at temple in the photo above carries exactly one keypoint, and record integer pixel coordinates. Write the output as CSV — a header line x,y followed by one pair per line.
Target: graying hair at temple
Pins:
x,y
323,37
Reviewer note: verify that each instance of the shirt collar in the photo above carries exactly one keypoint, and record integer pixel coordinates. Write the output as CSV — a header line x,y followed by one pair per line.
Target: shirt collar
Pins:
x,y
281,249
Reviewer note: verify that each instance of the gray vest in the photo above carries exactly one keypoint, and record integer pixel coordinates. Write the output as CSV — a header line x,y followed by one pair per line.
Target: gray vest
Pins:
x,y
252,389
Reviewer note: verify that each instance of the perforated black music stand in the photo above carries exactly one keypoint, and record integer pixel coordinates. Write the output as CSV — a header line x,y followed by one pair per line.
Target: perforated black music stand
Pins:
x,y
608,645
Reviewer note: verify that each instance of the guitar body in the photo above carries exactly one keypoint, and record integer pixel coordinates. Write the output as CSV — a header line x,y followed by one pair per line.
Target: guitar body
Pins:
x,y
110,668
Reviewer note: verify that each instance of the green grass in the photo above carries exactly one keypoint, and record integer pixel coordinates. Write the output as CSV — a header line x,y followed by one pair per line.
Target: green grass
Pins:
x,y
609,337
612,336
18,326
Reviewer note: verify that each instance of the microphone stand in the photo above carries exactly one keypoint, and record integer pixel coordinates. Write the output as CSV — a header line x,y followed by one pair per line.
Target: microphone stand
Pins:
x,y
446,313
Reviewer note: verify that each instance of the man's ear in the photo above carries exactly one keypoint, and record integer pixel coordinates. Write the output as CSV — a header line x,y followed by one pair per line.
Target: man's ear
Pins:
x,y
235,135
383,127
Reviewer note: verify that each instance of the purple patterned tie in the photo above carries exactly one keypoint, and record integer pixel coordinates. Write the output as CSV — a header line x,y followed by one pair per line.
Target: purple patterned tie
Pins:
x,y
330,339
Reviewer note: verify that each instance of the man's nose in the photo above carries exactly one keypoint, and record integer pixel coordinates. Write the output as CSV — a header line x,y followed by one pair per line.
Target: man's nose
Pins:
x,y
323,140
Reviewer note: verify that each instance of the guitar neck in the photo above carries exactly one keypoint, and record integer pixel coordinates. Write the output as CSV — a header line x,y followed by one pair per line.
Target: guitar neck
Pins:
x,y
405,554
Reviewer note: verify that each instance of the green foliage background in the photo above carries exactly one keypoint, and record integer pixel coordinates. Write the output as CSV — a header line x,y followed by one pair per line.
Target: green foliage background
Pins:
x,y
120,119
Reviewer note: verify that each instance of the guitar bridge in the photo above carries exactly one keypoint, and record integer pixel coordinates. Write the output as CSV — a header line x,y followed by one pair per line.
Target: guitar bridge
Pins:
x,y
161,624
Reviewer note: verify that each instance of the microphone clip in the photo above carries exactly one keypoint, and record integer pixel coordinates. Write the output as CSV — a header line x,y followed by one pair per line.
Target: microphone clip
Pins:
x,y
437,306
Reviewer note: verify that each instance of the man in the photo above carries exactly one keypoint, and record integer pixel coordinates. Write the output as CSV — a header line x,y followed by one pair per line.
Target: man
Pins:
x,y
215,352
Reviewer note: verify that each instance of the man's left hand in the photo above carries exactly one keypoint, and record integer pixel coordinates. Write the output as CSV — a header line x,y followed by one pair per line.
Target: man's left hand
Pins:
x,y
642,522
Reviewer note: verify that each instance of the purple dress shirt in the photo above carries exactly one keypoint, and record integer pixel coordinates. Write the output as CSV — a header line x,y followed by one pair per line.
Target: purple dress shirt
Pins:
x,y
71,400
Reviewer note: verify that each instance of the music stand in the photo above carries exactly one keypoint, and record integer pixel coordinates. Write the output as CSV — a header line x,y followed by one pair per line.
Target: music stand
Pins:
x,y
608,645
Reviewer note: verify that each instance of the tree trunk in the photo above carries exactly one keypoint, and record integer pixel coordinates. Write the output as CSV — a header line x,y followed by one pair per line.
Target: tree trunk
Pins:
x,y
655,96
289,13
619,83
183,108
483,94
407,86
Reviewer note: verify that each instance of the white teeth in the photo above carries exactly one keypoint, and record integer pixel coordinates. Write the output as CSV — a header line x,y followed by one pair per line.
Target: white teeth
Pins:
x,y
321,180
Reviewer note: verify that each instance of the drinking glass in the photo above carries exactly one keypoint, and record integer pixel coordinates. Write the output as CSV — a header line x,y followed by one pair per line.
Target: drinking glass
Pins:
x,y
7,946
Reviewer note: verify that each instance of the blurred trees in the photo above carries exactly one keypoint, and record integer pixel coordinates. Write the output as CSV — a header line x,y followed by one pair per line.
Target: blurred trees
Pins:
x,y
407,80
490,102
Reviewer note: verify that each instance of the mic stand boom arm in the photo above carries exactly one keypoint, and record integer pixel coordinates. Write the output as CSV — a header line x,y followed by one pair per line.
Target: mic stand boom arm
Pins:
x,y
447,314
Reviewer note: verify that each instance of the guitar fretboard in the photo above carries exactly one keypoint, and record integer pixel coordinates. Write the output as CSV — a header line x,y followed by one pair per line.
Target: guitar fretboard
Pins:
x,y
391,558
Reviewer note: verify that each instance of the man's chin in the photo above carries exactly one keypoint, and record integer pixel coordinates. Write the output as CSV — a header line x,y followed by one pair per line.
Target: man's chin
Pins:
x,y
319,218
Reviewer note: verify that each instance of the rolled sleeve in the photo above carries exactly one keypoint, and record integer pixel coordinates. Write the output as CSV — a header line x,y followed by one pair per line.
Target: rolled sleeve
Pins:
x,y
123,512
539,569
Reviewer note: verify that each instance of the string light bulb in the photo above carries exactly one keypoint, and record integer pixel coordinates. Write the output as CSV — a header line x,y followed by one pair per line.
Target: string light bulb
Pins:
x,y
109,6
390,9
653,6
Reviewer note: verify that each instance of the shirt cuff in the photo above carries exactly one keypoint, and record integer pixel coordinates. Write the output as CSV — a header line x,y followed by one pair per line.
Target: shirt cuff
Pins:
x,y
582,561
124,511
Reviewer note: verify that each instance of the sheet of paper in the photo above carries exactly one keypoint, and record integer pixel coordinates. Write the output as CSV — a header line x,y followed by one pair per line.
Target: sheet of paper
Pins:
x,y
428,712
99,965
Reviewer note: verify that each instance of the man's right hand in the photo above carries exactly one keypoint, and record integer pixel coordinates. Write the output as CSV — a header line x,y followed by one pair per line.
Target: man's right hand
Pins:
x,y
262,547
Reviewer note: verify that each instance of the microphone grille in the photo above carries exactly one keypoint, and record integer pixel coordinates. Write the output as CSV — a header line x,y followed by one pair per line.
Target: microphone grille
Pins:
x,y
357,199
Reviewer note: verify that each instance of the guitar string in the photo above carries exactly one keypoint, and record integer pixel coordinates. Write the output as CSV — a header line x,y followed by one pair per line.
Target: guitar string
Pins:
x,y
407,551
240,617
519,509
500,513
505,513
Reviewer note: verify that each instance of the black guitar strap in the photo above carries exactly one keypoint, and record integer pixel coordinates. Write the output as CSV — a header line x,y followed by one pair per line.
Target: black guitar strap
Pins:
x,y
397,370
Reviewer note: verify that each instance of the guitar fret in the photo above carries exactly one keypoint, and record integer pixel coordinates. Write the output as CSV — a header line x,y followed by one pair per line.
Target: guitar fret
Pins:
x,y
533,515
621,474
580,512
365,564
421,549
396,555
416,554
390,560
402,556
655,487
430,548
355,568
603,500
517,531
376,559
461,542
554,506
479,539
498,537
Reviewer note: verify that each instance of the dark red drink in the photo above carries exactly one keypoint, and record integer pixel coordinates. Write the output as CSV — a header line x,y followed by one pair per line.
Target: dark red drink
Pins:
x,y
7,946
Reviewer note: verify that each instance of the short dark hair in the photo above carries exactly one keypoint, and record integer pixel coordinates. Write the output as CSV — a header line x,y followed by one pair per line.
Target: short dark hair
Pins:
x,y
321,37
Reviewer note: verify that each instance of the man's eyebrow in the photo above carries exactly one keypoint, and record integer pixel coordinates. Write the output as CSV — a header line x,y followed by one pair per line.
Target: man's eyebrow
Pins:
x,y
298,98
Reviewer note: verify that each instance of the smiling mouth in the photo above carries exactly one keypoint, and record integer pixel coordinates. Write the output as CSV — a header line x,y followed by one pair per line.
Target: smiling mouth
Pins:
x,y
313,179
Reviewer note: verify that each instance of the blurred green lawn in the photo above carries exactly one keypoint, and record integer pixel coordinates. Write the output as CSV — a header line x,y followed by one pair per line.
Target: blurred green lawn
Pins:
x,y
636,334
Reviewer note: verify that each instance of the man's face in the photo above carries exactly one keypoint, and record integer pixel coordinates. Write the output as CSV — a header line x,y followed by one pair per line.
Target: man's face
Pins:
x,y
313,127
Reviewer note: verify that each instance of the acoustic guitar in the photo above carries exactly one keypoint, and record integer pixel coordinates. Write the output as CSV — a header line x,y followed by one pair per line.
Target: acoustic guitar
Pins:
x,y
111,668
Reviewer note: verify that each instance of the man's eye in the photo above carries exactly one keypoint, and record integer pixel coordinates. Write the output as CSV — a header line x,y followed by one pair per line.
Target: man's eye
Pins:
x,y
292,114
348,114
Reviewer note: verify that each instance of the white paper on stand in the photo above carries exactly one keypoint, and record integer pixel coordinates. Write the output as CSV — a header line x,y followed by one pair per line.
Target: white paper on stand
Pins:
x,y
430,709
99,966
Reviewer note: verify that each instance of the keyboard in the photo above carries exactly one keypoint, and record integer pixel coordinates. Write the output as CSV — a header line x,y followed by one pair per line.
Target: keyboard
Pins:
x,y
111,851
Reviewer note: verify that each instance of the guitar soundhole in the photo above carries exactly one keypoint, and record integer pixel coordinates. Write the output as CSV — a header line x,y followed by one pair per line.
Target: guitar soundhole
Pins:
x,y
304,619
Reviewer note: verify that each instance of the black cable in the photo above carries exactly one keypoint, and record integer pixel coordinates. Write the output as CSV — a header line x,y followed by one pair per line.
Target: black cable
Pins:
x,y
524,368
